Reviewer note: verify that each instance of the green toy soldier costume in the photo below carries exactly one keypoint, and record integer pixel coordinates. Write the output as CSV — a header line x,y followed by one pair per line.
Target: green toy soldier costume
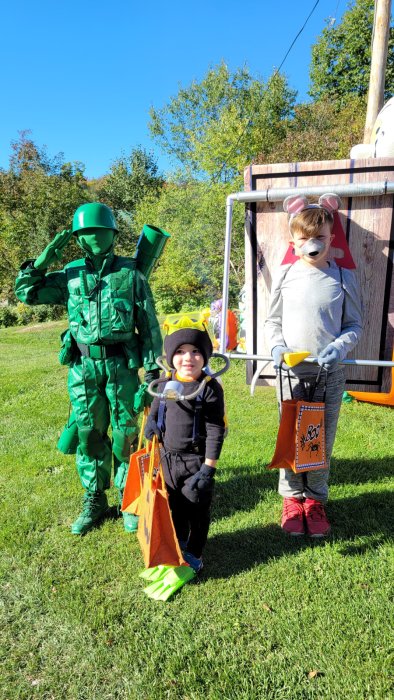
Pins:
x,y
113,331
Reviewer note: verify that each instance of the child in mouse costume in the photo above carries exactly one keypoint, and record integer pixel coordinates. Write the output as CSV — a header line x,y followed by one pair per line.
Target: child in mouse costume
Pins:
x,y
315,306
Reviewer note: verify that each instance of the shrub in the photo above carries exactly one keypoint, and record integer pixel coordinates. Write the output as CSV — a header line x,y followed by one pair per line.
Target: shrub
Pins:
x,y
8,316
24,314
41,313
56,312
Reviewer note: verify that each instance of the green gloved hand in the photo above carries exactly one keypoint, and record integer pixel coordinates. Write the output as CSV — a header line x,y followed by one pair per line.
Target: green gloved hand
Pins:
x,y
53,251
139,399
150,375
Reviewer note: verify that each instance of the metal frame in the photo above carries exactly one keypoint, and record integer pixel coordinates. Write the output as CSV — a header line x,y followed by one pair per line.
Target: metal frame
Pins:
x,y
279,195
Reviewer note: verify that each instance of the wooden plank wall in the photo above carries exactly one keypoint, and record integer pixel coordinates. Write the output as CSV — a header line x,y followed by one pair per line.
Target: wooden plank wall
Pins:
x,y
369,226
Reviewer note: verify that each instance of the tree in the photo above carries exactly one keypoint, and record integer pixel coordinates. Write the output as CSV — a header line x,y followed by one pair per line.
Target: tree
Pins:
x,y
215,127
38,196
131,179
190,271
341,57
321,130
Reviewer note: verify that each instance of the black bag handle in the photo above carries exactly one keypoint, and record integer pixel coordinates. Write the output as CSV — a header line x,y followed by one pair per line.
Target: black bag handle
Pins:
x,y
281,384
312,388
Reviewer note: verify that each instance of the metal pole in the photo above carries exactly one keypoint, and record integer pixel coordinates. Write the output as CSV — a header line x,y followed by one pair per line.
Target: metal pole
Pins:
x,y
367,189
278,195
311,360
226,274
380,39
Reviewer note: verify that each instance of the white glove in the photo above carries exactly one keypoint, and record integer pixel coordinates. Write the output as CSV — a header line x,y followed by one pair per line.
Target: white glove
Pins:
x,y
277,355
329,357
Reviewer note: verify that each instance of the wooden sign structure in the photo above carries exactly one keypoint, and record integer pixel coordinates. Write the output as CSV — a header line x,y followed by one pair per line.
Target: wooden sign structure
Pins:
x,y
368,223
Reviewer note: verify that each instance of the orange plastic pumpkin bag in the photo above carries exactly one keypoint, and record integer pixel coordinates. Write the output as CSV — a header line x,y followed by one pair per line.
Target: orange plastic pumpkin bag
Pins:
x,y
156,532
301,443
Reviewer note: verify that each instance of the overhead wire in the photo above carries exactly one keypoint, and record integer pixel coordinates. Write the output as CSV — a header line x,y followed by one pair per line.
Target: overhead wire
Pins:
x,y
263,96
334,16
296,37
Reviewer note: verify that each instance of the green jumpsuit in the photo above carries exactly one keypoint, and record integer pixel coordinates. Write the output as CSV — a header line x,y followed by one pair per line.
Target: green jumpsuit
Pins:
x,y
114,331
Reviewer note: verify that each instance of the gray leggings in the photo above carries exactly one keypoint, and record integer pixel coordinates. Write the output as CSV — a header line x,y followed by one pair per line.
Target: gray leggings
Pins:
x,y
313,484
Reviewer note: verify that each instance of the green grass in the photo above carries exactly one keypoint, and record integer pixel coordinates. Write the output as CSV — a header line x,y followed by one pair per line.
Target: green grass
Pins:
x,y
269,618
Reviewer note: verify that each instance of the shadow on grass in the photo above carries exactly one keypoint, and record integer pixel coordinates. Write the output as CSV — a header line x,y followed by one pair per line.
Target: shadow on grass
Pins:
x,y
243,490
234,552
369,515
113,513
360,471
245,486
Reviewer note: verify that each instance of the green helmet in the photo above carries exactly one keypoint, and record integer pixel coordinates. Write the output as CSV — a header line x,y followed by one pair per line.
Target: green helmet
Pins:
x,y
93,215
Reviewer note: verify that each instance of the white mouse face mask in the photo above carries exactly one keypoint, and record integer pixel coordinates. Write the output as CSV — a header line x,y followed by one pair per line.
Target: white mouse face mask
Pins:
x,y
312,248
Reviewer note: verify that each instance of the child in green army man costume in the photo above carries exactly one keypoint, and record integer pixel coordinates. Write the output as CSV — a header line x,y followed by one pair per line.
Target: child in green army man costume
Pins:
x,y
113,331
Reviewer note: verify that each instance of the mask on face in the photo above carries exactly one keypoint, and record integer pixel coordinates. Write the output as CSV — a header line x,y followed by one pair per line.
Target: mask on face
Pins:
x,y
312,248
96,241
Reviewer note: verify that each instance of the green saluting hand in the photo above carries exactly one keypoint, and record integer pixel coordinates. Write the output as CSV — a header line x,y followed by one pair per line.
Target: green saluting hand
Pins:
x,y
53,251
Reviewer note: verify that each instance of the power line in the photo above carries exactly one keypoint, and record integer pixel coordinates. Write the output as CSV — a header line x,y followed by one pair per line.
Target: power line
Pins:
x,y
273,76
295,39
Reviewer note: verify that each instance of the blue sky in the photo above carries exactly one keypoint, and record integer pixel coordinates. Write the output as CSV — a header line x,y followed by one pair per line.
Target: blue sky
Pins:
x,y
82,76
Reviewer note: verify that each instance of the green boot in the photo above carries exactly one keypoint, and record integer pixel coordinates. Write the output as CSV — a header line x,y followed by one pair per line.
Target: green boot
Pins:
x,y
95,506
130,521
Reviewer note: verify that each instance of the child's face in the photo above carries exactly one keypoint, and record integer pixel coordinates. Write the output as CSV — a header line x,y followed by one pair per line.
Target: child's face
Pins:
x,y
188,361
318,248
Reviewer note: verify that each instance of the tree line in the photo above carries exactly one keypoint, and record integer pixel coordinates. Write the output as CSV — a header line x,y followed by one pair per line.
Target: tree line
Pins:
x,y
211,130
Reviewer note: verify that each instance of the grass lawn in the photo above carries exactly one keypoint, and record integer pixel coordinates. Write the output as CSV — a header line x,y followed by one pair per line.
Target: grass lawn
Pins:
x,y
269,618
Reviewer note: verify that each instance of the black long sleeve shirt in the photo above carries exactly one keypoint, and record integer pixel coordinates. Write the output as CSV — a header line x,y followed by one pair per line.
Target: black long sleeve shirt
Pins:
x,y
179,419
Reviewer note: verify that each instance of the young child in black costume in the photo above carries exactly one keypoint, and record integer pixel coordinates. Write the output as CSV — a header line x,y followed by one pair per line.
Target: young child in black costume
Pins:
x,y
192,432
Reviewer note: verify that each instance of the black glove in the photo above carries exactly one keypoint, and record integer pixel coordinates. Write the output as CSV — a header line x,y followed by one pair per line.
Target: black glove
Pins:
x,y
150,375
200,484
151,429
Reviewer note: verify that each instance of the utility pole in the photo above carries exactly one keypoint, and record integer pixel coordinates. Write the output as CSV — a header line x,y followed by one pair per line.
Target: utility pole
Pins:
x,y
380,40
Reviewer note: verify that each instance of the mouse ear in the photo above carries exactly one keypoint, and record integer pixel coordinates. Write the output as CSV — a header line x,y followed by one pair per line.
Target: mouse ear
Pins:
x,y
330,201
295,203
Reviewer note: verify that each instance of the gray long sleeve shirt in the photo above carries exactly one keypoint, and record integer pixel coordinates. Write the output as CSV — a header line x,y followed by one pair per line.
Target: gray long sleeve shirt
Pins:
x,y
310,308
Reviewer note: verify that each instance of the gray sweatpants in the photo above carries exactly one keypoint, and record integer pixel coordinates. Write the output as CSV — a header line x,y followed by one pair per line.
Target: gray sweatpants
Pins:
x,y
313,484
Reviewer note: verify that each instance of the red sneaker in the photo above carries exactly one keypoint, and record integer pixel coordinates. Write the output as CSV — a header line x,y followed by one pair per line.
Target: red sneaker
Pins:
x,y
316,518
293,516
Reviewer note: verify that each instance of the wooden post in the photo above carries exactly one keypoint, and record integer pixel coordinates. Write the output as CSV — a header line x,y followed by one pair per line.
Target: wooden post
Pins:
x,y
378,64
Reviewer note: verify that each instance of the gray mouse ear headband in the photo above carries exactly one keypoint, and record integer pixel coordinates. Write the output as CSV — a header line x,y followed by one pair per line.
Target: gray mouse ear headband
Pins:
x,y
296,203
